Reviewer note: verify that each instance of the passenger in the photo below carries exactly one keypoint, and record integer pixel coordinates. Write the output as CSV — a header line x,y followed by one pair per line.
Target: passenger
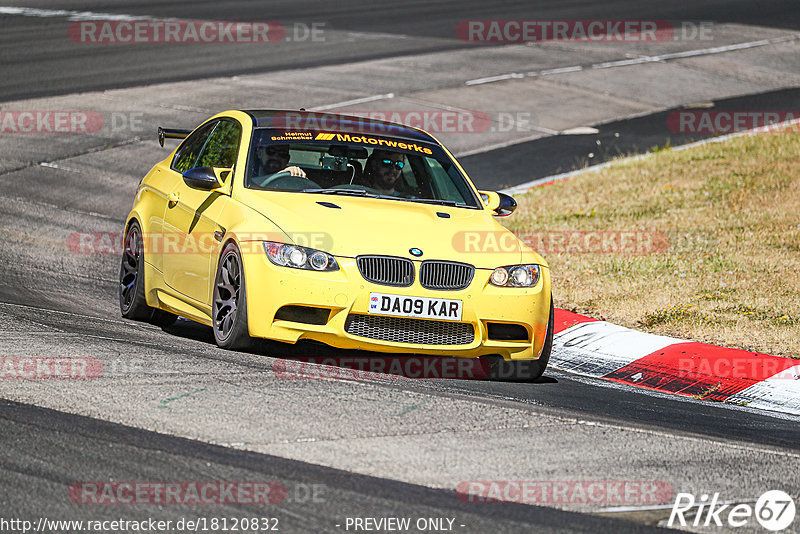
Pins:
x,y
382,170
272,159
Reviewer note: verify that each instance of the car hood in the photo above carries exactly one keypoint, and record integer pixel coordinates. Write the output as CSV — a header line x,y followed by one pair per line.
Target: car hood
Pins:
x,y
353,226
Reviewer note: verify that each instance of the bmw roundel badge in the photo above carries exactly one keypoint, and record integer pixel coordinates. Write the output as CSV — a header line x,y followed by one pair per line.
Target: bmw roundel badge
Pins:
x,y
415,252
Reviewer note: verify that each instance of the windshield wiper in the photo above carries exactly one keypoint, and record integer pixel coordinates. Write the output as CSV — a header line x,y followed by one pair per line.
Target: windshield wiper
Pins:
x,y
452,203
352,192
363,193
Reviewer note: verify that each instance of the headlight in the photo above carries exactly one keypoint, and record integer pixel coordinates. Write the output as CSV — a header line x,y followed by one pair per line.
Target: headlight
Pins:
x,y
515,276
299,257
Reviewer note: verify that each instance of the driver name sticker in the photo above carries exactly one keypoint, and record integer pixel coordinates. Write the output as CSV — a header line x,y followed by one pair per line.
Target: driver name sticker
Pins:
x,y
292,136
421,307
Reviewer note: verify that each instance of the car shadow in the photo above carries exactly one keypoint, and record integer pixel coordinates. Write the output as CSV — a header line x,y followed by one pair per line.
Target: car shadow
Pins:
x,y
312,359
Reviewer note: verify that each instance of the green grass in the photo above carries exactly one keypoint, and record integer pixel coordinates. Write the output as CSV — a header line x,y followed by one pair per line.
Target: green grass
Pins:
x,y
730,212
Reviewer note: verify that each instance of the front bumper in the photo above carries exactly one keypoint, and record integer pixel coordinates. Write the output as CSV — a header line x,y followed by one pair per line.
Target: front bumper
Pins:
x,y
346,294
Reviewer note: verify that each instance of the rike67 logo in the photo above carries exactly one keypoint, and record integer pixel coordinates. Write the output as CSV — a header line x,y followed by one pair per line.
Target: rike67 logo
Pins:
x,y
774,510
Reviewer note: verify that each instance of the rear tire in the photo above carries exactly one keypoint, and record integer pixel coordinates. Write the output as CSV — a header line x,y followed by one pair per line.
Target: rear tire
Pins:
x,y
229,307
527,370
132,299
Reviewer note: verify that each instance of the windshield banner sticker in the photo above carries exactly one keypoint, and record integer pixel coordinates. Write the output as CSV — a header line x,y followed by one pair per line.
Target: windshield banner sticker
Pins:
x,y
367,140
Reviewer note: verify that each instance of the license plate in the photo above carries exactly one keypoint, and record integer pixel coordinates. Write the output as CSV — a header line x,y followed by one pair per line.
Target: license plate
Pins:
x,y
422,307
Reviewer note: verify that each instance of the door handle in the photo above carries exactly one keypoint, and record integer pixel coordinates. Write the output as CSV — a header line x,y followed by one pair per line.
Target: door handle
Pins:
x,y
174,198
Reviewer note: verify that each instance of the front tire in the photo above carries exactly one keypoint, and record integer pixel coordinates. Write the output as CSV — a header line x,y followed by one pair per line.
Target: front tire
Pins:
x,y
229,308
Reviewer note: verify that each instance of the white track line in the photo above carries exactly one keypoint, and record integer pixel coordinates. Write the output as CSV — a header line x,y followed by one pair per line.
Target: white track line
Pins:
x,y
353,102
559,70
497,78
71,15
638,60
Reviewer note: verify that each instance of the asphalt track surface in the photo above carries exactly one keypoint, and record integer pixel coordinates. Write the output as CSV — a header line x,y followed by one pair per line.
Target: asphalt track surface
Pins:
x,y
50,304
37,433
36,61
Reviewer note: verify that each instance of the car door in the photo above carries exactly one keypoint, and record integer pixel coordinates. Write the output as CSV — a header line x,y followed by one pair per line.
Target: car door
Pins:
x,y
158,185
192,234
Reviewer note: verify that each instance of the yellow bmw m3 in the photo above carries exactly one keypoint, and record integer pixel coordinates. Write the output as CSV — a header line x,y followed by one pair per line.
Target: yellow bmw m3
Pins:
x,y
360,234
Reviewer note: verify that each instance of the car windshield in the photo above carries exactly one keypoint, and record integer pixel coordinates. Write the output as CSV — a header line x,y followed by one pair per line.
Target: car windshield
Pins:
x,y
360,165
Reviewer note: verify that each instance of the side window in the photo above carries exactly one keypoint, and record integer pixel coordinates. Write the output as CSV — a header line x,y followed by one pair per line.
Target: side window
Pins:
x,y
191,147
447,184
222,146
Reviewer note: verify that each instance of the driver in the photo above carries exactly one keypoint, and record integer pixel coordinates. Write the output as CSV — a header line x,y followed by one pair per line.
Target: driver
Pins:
x,y
272,159
382,170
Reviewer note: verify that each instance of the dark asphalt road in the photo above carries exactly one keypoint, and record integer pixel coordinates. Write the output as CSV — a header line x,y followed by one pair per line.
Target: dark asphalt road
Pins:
x,y
46,452
38,58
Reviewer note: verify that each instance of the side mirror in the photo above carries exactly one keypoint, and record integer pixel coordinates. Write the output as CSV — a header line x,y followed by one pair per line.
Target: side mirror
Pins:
x,y
206,178
501,204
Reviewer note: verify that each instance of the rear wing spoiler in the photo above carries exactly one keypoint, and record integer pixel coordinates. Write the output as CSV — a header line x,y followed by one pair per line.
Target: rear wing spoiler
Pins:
x,y
171,133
